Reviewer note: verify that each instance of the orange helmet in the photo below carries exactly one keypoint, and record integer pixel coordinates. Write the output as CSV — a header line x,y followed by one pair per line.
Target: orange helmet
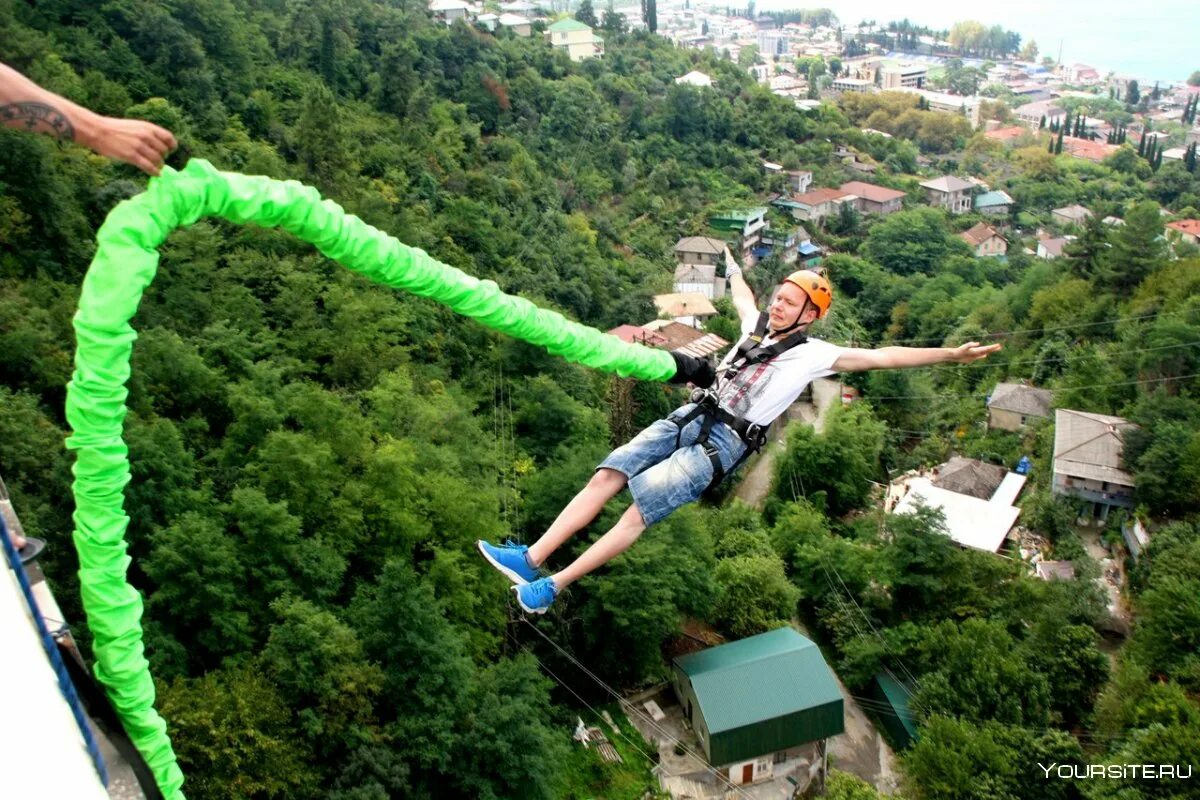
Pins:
x,y
816,286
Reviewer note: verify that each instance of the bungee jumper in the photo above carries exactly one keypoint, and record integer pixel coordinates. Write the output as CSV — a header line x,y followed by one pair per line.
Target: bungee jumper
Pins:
x,y
675,460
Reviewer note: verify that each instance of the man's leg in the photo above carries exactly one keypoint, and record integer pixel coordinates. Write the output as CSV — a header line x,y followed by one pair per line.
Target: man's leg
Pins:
x,y
604,549
583,508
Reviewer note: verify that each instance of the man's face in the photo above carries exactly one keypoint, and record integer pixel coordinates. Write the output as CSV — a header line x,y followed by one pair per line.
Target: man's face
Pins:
x,y
788,305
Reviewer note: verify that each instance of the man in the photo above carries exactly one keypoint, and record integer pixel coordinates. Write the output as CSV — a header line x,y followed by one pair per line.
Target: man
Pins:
x,y
26,106
672,462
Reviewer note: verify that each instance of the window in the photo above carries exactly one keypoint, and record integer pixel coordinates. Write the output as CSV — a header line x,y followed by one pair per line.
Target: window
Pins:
x,y
562,37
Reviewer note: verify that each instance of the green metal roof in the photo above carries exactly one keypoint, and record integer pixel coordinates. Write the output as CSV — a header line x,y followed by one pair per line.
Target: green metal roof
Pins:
x,y
760,678
568,24
740,214
900,721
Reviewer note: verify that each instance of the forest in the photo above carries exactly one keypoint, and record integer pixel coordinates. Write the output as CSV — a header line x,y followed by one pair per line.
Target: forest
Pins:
x,y
314,456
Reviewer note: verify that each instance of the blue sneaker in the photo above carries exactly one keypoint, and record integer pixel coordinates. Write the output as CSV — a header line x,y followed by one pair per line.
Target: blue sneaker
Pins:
x,y
510,559
536,597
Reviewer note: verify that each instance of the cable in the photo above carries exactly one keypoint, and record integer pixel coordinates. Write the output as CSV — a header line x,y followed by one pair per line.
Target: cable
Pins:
x,y
589,707
1037,330
645,717
1064,388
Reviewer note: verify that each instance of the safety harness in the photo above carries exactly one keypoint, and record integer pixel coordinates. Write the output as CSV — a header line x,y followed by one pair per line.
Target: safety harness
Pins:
x,y
750,352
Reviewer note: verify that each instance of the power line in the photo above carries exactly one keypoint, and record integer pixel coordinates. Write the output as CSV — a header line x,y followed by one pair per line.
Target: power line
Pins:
x,y
995,334
645,717
1064,388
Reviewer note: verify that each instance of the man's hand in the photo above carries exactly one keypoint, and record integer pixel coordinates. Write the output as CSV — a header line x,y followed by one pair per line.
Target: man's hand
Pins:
x,y
731,265
971,352
134,141
689,369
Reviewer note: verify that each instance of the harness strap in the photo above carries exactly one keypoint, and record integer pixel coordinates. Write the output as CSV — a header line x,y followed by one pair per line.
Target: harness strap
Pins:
x,y
706,407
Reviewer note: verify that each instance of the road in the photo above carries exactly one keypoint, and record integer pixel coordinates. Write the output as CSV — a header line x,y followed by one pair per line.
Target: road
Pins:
x,y
860,750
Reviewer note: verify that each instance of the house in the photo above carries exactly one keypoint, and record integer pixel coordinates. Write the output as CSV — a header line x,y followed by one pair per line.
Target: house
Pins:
x,y
812,206
1052,247
1071,215
950,193
576,38
689,308
743,228
907,76
637,334
449,11
799,180
984,240
699,278
874,199
963,105
1187,230
843,85
1012,405
979,516
1087,460
1088,149
700,250
783,246
1174,154
1007,135
994,204
695,78
759,701
677,336
1032,114
519,25
969,476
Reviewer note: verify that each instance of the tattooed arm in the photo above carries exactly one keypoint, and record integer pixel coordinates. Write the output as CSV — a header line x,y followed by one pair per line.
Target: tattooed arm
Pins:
x,y
27,106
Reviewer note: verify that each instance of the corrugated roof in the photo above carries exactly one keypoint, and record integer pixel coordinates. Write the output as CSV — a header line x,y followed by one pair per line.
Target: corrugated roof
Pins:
x,y
978,234
760,678
876,194
1021,399
948,183
568,24
1089,446
635,334
684,304
993,199
677,336
970,477
818,196
695,273
700,244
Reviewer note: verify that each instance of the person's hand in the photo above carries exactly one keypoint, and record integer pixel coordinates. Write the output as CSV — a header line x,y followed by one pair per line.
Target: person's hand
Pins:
x,y
134,141
731,266
689,369
972,351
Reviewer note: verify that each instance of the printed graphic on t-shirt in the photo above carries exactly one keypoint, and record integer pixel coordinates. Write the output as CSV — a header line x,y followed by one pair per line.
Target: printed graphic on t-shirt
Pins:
x,y
738,394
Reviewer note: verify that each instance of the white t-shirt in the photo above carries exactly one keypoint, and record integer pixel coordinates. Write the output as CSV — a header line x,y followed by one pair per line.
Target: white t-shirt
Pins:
x,y
761,392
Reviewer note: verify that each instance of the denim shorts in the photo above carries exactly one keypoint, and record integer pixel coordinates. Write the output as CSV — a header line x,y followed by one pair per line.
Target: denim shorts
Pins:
x,y
663,477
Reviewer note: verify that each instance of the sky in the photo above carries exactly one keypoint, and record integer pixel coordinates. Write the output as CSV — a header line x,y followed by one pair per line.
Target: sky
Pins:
x,y
1157,40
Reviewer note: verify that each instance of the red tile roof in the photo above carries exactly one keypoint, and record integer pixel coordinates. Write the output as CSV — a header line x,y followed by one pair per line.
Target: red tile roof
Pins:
x,y
869,191
636,334
818,196
1188,226
979,234
1086,148
1007,134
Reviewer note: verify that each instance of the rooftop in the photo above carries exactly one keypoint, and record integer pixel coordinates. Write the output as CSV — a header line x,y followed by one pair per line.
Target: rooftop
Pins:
x,y
948,183
817,196
970,477
684,304
1188,226
568,24
1089,446
993,199
700,244
759,678
979,234
1021,399
869,191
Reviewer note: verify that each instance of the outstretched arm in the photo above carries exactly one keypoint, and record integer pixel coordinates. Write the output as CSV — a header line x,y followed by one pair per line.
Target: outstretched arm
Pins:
x,y
25,105
739,291
861,360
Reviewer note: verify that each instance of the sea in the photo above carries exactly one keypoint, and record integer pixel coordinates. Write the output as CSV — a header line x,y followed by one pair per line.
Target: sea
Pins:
x,y
1156,41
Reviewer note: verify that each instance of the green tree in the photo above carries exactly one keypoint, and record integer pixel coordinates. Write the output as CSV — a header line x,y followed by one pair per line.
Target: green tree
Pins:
x,y
754,595
908,242
1137,246
586,14
841,462
232,733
